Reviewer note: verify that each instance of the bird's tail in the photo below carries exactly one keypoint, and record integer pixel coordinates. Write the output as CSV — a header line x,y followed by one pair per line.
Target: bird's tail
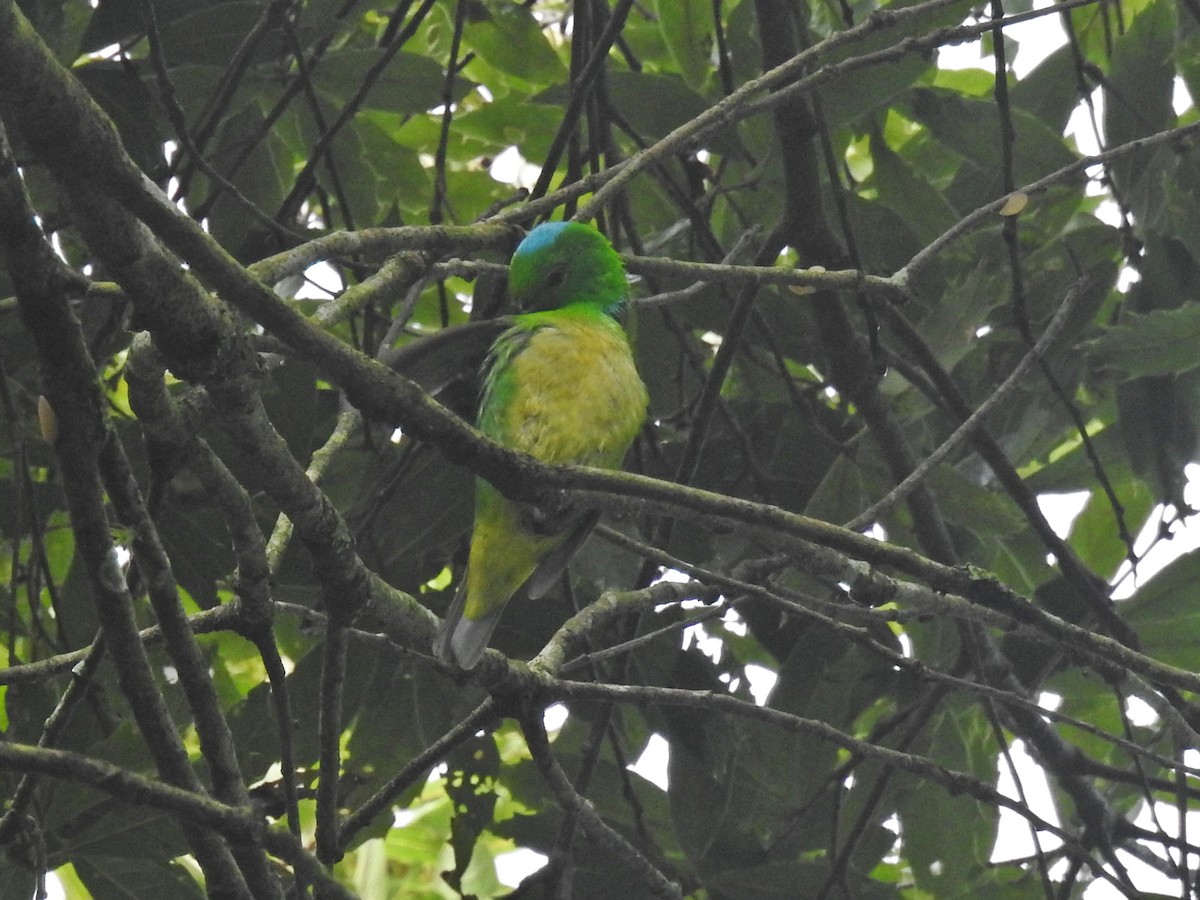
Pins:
x,y
461,641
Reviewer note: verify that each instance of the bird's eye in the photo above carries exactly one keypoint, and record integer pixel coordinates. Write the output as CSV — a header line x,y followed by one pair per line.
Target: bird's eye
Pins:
x,y
556,277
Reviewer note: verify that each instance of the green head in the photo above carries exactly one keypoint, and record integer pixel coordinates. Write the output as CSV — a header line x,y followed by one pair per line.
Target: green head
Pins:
x,y
562,263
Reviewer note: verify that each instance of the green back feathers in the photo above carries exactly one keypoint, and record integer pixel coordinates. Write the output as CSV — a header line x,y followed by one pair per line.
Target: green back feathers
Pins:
x,y
561,264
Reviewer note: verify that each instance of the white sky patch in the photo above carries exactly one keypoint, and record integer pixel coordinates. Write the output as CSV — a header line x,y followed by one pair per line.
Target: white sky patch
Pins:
x,y
1049,700
876,531
1036,39
515,866
734,623
1181,100
320,282
712,647
960,56
1185,537
54,888
510,167
1080,127
761,682
1128,275
673,575
554,717
1148,879
1013,837
403,817
892,824
1141,714
652,764
1061,510
708,644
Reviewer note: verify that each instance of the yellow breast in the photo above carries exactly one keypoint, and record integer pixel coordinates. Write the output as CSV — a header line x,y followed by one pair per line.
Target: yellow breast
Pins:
x,y
576,396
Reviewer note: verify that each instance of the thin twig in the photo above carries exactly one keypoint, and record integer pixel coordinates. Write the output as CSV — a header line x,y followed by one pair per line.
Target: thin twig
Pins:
x,y
593,825
964,431
333,677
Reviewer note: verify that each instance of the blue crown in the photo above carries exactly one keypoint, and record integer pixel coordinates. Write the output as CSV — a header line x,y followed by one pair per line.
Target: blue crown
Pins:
x,y
542,236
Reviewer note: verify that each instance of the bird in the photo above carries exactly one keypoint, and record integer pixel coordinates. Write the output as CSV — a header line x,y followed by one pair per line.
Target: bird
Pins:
x,y
561,385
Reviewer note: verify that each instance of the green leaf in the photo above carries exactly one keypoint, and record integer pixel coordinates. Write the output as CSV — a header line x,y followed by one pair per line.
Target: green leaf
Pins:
x,y
263,179
194,536
894,244
59,546
843,493
110,878
921,205
1165,615
986,512
1162,342
108,829
509,38
510,122
470,784
18,883
132,108
117,20
773,881
1140,85
431,705
73,888
1095,535
971,127
656,104
1189,63
848,98
686,27
413,508
1158,424
1049,92
1182,207
948,840
410,84
211,33
950,328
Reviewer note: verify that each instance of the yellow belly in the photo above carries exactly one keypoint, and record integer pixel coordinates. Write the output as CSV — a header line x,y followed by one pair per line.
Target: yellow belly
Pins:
x,y
574,395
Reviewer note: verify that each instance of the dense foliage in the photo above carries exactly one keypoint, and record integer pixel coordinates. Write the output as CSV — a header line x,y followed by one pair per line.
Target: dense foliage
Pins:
x,y
242,246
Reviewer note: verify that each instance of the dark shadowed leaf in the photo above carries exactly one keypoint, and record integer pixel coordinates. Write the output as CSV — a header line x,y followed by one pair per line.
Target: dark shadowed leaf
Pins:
x,y
110,878
1157,343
